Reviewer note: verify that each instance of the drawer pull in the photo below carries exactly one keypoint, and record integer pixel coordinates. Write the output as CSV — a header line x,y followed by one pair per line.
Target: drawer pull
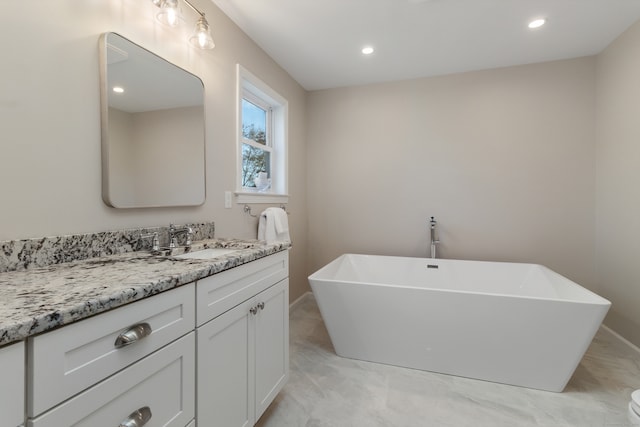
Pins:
x,y
137,418
133,334
261,306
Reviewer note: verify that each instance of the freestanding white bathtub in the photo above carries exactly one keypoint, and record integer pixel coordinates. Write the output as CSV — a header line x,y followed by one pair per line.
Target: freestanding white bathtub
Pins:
x,y
519,324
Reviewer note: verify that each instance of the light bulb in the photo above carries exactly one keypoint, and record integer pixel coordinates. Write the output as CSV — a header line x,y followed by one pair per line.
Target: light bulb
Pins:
x,y
170,13
202,39
171,17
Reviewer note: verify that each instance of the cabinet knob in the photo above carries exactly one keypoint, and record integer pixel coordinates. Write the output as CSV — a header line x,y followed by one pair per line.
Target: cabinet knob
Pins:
x,y
137,418
133,334
254,310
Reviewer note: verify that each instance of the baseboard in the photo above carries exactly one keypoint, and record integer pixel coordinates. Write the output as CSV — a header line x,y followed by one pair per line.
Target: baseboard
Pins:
x,y
298,300
631,345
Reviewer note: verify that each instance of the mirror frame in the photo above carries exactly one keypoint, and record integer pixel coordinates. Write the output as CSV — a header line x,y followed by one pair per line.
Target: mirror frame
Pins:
x,y
107,189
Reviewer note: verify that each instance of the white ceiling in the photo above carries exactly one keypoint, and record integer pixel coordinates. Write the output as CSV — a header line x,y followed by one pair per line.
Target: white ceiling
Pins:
x,y
318,42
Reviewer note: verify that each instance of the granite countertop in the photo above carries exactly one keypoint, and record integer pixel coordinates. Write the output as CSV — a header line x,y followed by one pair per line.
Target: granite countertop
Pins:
x,y
41,299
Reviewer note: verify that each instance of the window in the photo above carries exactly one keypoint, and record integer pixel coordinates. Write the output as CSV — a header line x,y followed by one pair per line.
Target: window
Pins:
x,y
262,142
256,141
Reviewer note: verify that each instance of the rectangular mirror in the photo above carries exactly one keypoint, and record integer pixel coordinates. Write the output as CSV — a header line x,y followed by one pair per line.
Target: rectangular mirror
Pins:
x,y
153,132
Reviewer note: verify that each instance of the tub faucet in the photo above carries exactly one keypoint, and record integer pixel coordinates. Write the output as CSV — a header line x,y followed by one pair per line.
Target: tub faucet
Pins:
x,y
434,239
175,232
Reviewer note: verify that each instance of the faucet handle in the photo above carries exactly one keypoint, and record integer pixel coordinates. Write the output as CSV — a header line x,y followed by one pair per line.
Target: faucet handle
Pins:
x,y
155,243
189,236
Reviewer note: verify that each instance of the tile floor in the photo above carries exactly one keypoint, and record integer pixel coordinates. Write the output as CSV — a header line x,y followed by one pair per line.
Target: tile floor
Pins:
x,y
330,391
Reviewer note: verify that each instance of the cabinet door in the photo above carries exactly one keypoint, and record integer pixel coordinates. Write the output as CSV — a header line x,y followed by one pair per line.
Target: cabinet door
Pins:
x,y
225,369
272,344
12,385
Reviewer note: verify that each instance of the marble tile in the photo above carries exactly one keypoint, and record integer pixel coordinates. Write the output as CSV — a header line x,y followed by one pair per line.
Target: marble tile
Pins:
x,y
327,390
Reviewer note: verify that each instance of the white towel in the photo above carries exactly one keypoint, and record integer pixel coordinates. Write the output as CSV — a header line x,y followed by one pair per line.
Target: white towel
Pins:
x,y
273,226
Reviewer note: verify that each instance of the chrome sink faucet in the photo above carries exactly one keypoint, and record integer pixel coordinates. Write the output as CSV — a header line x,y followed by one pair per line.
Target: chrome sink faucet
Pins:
x,y
173,238
434,239
175,232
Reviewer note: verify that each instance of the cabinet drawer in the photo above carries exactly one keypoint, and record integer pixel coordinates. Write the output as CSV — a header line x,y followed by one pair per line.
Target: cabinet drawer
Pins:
x,y
12,385
221,292
164,382
68,360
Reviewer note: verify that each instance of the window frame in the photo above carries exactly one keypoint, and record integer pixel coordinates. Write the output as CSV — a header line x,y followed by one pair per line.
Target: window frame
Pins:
x,y
252,89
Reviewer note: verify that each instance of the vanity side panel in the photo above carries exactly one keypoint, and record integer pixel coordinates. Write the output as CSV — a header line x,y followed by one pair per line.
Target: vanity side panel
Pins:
x,y
12,367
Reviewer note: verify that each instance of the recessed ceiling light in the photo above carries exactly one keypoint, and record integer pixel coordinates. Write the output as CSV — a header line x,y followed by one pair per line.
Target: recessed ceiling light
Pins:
x,y
118,89
537,23
368,50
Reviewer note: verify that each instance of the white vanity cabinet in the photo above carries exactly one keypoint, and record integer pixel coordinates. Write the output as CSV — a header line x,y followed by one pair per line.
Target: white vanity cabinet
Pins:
x,y
220,345
243,341
12,385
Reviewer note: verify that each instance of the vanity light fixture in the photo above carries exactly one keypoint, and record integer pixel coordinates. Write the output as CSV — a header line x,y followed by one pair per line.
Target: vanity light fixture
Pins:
x,y
367,50
118,89
537,23
171,15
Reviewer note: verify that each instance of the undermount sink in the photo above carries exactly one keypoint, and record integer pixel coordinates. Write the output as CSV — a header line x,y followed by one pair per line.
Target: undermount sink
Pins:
x,y
209,253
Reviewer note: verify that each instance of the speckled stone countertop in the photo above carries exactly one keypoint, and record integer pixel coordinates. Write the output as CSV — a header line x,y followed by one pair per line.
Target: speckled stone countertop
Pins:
x,y
44,298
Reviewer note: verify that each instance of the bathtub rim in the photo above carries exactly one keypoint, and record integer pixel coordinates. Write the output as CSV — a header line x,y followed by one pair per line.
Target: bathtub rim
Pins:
x,y
595,299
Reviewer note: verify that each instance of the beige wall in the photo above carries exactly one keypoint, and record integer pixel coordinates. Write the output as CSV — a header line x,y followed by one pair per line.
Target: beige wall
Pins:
x,y
618,182
504,159
50,120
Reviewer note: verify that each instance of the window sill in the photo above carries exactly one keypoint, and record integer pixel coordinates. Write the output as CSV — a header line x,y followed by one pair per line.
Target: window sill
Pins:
x,y
255,197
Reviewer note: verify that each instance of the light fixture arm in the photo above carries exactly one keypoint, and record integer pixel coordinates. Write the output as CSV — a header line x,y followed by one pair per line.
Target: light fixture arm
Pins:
x,y
193,7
